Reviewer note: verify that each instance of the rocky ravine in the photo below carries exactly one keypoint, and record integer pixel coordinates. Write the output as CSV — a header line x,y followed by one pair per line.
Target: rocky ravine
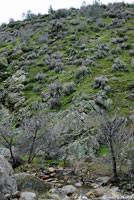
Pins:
x,y
74,64
32,188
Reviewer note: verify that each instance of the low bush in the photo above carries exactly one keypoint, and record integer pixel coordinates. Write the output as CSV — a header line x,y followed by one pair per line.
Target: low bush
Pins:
x,y
69,88
82,72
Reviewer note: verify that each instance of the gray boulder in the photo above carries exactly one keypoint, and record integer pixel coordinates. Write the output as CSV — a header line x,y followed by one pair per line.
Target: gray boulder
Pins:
x,y
7,178
28,196
68,189
28,182
4,151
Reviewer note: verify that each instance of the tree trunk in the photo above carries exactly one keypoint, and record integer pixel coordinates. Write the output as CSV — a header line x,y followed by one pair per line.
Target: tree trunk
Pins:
x,y
30,157
12,155
114,162
114,166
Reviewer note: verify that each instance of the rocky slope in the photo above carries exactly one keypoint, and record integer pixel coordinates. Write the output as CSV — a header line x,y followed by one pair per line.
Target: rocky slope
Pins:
x,y
55,183
75,64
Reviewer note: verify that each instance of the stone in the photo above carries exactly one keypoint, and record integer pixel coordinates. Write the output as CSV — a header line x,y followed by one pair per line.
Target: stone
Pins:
x,y
28,196
51,169
79,184
28,182
4,151
57,196
7,179
68,189
74,196
93,194
83,198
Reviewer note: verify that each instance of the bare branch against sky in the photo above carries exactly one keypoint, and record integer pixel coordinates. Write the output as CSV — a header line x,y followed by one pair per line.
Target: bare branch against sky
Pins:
x,y
15,8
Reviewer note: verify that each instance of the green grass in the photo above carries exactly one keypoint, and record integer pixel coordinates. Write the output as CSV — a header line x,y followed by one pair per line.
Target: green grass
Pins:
x,y
102,150
1,84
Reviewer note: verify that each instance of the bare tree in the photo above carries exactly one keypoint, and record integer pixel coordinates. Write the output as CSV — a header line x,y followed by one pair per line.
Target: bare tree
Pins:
x,y
32,138
8,135
114,133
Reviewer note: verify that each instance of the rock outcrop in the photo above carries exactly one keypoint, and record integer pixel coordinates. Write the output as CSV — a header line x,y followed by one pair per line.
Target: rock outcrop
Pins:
x,y
7,178
28,182
73,128
13,97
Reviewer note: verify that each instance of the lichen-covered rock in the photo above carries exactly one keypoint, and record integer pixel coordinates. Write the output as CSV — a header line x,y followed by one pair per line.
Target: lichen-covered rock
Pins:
x,y
13,97
84,147
4,151
7,178
94,194
73,127
28,182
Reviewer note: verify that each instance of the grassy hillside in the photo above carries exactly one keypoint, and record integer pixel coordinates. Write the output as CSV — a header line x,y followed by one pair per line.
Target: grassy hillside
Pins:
x,y
68,54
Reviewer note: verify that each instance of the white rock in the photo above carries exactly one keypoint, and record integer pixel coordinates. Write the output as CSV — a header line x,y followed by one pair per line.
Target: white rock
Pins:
x,y
27,196
51,169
